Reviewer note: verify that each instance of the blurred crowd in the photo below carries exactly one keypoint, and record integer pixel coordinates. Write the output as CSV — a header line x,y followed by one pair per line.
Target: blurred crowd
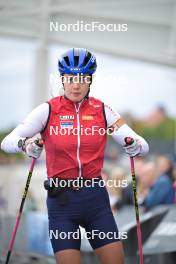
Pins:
x,y
155,174
156,182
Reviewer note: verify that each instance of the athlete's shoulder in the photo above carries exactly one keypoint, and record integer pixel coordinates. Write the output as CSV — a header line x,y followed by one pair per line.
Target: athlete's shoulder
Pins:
x,y
55,103
111,109
112,114
54,100
95,101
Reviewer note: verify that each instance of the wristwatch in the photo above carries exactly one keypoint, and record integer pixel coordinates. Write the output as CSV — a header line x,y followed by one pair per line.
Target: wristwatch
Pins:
x,y
21,144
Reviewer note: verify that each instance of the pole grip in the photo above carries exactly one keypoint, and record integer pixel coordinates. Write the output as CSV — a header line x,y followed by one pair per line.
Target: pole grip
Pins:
x,y
129,141
39,142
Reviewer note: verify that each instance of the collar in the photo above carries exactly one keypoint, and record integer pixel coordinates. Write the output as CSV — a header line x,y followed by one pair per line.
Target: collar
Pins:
x,y
67,101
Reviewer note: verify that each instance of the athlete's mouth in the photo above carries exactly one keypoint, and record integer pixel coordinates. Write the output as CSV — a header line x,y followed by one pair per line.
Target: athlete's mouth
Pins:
x,y
76,94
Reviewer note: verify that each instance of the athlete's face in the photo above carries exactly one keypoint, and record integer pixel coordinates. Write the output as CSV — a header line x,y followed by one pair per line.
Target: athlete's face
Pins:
x,y
76,86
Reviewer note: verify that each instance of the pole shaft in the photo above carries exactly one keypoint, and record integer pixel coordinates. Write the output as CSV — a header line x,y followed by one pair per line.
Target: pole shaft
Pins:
x,y
134,185
11,243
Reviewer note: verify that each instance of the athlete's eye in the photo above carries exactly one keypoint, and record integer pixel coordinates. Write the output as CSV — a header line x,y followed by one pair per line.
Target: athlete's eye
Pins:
x,y
87,79
71,79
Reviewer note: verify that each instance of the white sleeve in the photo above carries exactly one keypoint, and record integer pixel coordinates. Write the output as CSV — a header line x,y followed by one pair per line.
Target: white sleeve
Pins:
x,y
125,131
34,123
111,115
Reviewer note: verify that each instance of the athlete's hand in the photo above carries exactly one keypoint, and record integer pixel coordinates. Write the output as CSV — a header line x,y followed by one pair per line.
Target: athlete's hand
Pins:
x,y
33,147
132,148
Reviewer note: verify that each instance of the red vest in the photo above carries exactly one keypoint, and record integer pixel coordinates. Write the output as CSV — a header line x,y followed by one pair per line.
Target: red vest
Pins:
x,y
75,139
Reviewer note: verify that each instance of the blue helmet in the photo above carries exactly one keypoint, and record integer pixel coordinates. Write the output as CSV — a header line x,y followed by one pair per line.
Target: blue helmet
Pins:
x,y
77,60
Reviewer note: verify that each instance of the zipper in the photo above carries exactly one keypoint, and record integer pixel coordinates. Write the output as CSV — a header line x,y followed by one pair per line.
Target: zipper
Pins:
x,y
78,139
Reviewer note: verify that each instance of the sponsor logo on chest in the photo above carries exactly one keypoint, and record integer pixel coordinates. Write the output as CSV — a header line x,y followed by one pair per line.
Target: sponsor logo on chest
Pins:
x,y
66,117
87,117
66,121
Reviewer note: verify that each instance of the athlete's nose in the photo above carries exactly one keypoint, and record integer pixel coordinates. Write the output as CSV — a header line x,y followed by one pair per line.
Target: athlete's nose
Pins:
x,y
76,86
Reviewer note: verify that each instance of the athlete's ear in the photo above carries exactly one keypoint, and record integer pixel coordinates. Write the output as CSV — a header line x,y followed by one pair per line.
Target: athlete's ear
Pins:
x,y
91,78
62,78
61,91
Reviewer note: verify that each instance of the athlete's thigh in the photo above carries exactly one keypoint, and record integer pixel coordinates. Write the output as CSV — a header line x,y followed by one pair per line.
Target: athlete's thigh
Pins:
x,y
102,230
111,253
63,224
64,234
68,256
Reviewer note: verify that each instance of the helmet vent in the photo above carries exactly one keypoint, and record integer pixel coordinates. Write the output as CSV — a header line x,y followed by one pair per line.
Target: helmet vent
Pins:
x,y
87,59
92,66
67,60
60,65
76,60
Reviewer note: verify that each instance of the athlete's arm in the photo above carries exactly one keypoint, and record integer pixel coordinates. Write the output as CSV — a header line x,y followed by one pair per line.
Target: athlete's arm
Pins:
x,y
120,130
33,124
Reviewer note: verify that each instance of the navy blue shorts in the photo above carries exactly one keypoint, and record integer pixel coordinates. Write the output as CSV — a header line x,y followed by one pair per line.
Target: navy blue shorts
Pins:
x,y
89,208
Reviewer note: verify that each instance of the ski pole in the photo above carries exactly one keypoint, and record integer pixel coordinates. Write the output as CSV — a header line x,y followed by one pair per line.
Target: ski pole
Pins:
x,y
11,243
129,141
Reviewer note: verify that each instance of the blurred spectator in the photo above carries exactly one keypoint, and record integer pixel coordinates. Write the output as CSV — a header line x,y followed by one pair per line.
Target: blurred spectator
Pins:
x,y
156,184
127,193
146,179
115,184
165,165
